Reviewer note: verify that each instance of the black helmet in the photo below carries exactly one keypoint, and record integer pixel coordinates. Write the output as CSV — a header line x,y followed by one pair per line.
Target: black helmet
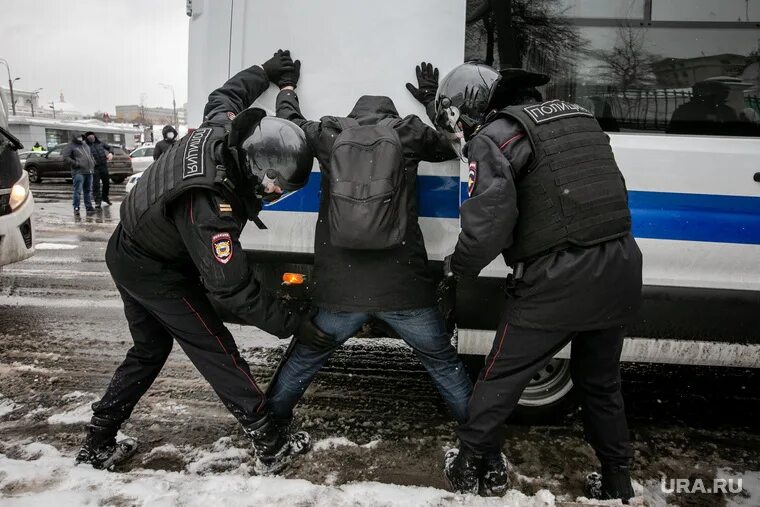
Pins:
x,y
463,97
276,152
513,85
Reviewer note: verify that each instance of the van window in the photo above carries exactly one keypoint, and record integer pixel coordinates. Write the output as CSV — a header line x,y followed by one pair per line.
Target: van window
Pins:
x,y
660,66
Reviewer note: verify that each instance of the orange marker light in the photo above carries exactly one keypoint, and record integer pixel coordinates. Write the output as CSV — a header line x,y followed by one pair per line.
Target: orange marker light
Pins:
x,y
292,278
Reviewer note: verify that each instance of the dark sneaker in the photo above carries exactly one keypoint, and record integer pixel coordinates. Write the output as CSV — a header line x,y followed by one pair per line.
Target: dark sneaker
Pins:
x,y
107,201
76,210
461,470
98,207
100,448
614,483
275,446
90,210
494,480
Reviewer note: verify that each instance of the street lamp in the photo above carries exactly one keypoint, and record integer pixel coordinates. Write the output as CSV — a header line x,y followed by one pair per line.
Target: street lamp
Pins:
x,y
10,84
174,102
35,95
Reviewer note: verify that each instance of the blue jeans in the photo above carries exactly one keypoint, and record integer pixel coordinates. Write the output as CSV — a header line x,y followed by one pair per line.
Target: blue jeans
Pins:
x,y
83,184
423,329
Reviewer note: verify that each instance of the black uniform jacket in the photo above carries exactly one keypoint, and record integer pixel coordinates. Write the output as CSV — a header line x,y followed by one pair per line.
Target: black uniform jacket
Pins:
x,y
367,280
206,254
573,289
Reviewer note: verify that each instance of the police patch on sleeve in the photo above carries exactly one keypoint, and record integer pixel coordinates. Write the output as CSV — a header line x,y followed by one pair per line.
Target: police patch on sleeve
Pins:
x,y
472,178
554,110
193,159
221,245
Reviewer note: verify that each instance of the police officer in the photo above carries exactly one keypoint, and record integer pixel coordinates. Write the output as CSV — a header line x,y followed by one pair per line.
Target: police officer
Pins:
x,y
177,247
545,193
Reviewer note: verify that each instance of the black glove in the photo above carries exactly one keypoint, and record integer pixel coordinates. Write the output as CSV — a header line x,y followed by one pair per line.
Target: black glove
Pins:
x,y
309,334
427,81
446,295
290,78
278,65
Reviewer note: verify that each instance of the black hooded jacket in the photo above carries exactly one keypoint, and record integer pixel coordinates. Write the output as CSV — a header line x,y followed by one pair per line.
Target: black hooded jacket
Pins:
x,y
366,280
98,149
164,144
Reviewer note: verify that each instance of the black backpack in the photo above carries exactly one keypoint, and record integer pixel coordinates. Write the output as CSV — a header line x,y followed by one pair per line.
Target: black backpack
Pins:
x,y
368,189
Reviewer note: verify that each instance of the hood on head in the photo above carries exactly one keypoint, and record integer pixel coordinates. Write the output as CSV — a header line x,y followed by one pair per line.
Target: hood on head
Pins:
x,y
75,138
91,133
370,109
167,129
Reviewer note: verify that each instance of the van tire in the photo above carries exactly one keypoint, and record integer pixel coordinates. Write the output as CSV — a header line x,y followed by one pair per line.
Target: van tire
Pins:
x,y
548,399
118,179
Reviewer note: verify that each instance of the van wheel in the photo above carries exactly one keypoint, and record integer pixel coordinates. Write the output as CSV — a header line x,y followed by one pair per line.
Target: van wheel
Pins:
x,y
34,176
549,396
546,400
118,179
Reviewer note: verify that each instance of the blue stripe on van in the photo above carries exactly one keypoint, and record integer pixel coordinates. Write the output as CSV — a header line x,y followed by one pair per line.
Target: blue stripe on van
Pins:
x,y
656,215
695,217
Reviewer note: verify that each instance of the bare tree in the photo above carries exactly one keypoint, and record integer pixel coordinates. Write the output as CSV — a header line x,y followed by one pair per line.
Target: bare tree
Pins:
x,y
628,65
534,34
628,69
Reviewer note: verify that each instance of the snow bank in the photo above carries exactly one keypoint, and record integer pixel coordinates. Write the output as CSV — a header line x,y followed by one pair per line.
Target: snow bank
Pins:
x,y
48,478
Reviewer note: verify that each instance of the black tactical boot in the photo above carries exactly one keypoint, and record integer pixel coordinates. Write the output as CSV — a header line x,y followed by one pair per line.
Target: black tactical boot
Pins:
x,y
275,446
494,479
100,448
613,483
462,469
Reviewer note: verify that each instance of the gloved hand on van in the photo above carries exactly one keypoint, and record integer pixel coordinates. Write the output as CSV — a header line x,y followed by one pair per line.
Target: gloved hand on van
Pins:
x,y
281,70
427,83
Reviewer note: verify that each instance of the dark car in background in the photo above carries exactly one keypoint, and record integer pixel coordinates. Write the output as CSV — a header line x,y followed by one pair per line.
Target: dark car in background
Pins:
x,y
53,165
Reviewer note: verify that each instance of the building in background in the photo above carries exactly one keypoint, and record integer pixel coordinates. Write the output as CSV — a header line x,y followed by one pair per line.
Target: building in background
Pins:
x,y
28,104
150,115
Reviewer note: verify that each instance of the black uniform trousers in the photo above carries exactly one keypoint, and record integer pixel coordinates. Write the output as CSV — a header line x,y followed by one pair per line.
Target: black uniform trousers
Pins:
x,y
518,353
100,184
191,320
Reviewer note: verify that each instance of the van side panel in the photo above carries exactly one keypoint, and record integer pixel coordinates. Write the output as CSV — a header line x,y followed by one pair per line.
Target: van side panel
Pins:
x,y
208,50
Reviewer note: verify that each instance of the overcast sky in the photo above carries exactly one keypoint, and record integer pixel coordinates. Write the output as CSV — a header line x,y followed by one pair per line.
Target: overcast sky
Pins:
x,y
99,53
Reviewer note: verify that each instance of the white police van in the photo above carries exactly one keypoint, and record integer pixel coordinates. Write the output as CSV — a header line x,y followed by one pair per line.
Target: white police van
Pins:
x,y
675,83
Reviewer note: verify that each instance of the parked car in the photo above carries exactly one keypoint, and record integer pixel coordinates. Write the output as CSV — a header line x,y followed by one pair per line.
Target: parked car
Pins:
x,y
132,181
25,155
53,165
141,158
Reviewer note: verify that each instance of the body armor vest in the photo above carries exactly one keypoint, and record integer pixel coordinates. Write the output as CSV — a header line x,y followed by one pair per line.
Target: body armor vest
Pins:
x,y
573,192
189,163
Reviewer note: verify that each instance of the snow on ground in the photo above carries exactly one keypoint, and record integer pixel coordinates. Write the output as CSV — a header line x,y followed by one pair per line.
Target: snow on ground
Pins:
x,y
7,406
750,485
55,246
78,409
38,474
